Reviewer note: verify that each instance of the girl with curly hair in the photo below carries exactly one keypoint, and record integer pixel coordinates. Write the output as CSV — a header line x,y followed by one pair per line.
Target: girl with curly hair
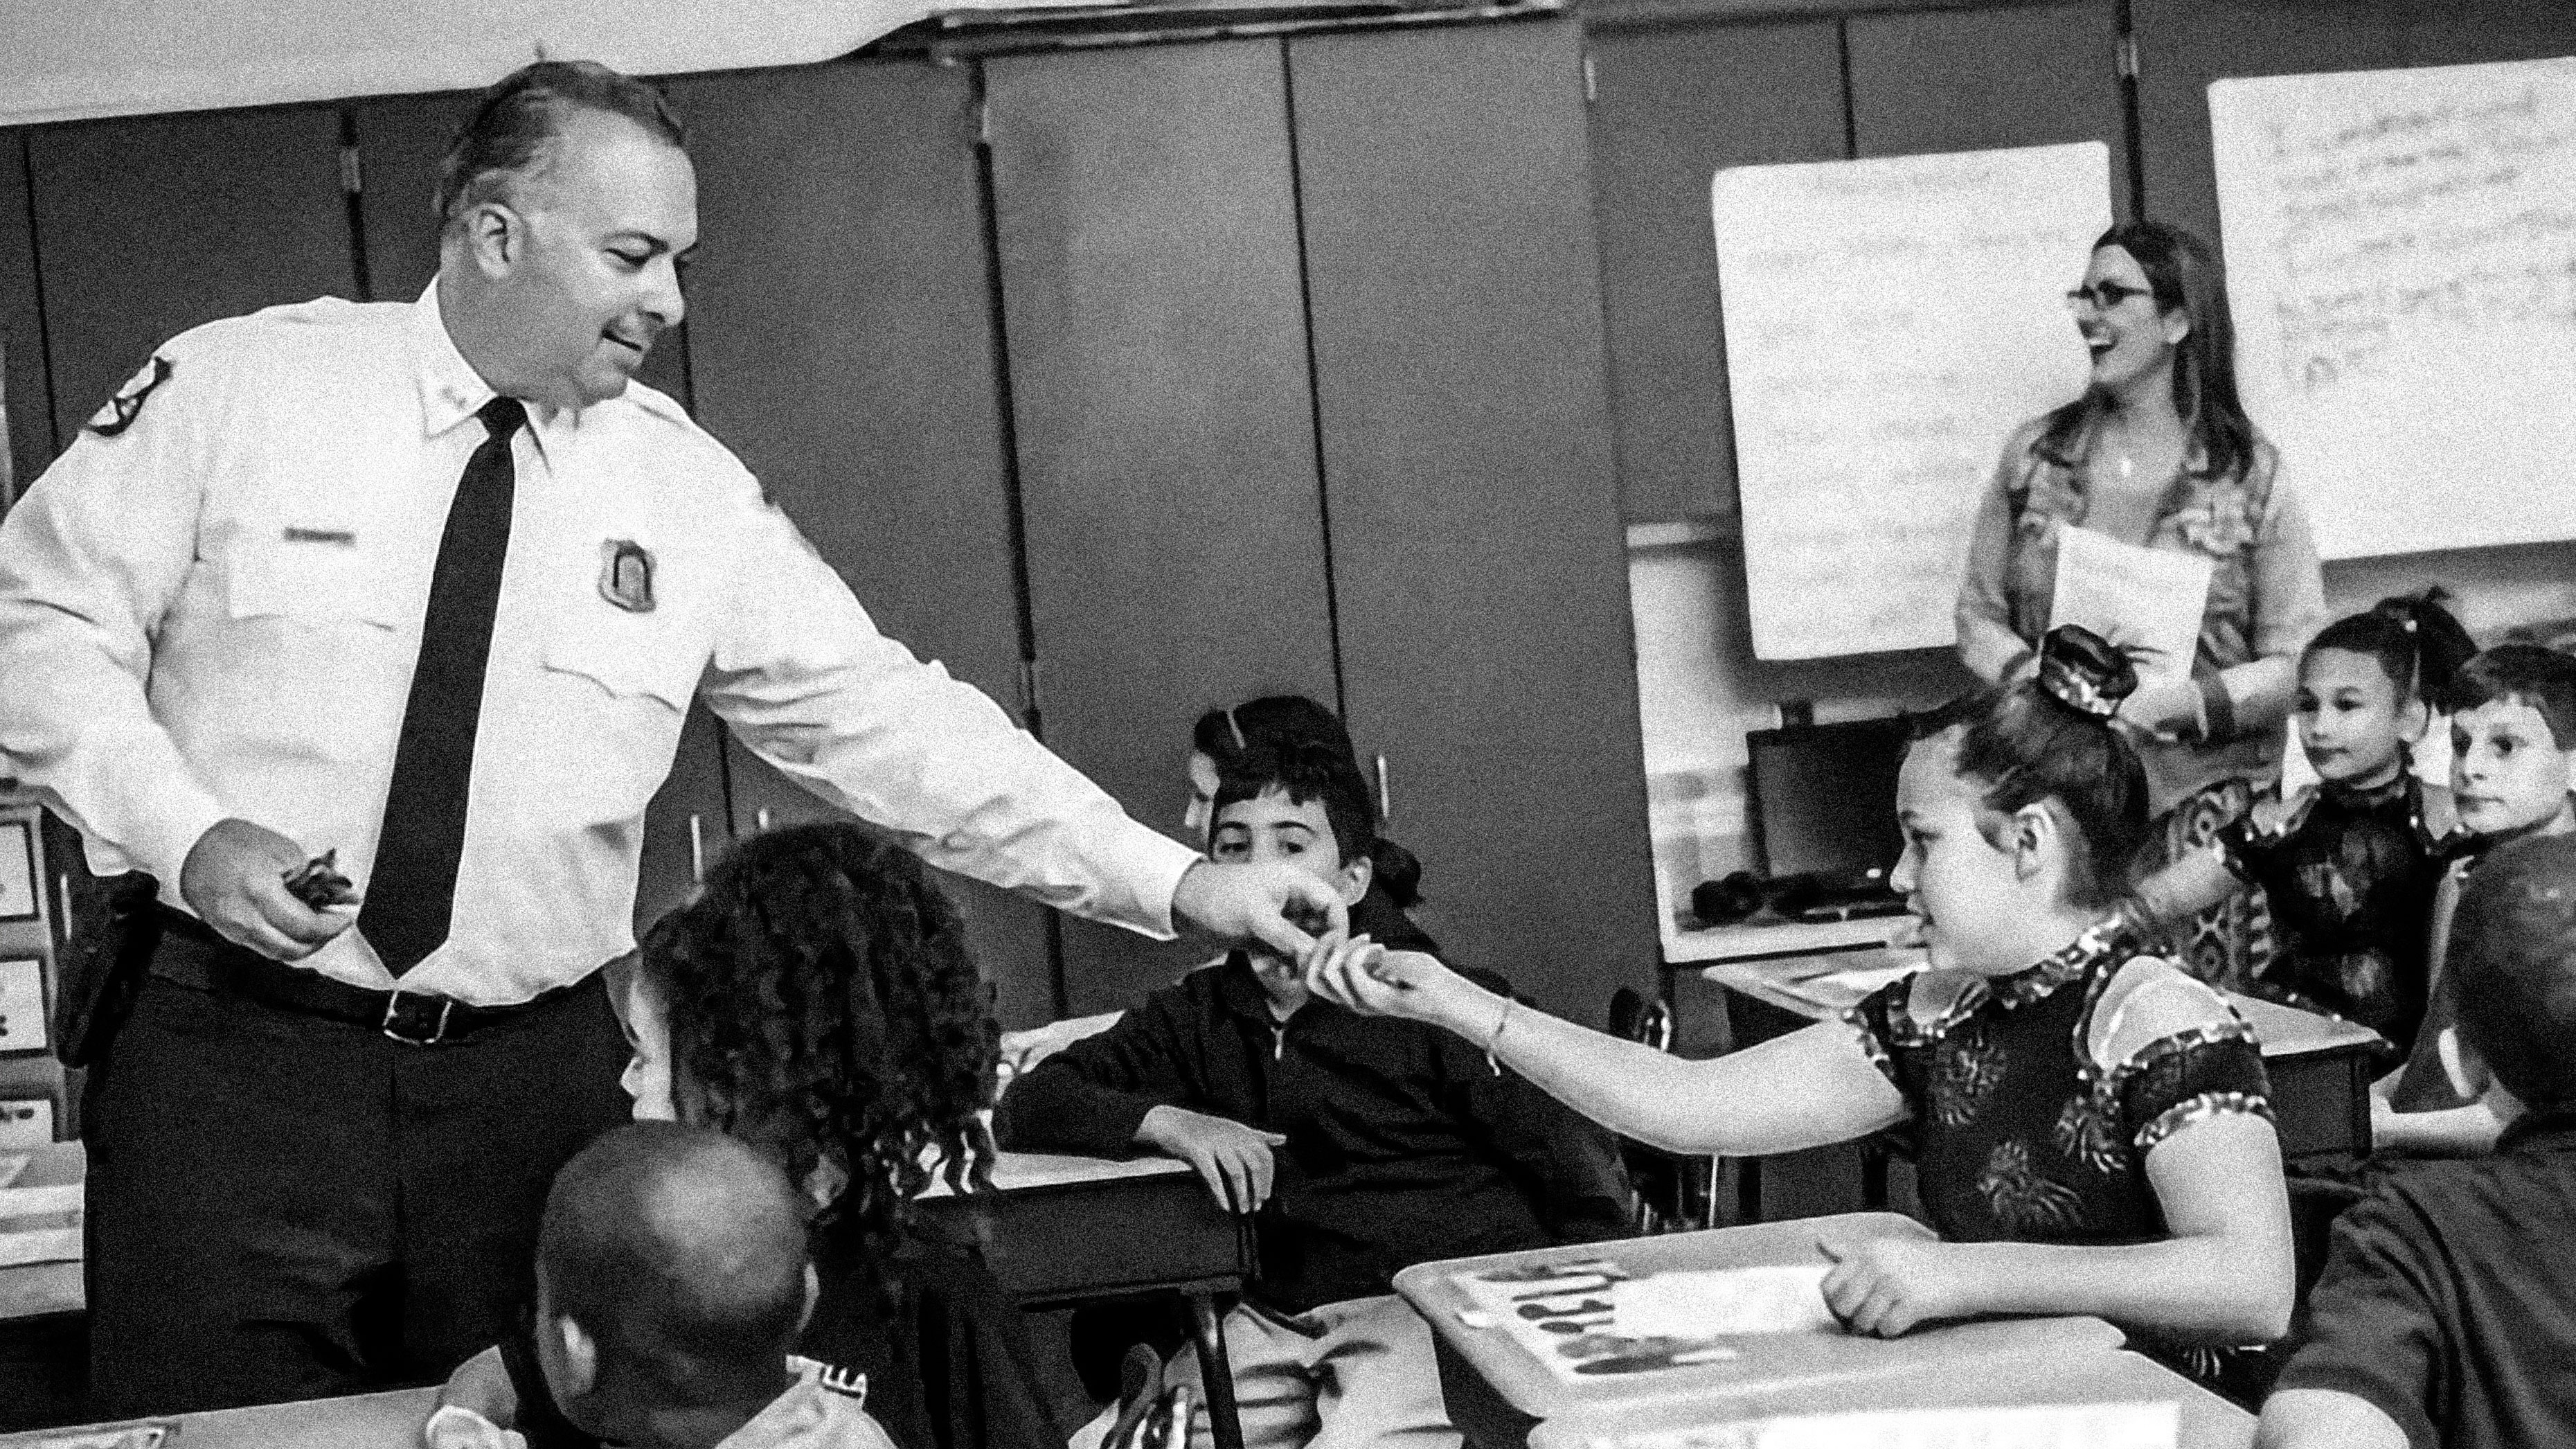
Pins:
x,y
817,1002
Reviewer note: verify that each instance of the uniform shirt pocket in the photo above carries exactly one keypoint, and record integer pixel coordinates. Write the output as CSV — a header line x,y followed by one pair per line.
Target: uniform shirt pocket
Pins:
x,y
312,575
630,656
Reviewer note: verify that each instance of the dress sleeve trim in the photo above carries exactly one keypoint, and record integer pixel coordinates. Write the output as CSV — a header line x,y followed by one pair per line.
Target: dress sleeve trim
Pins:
x,y
1871,1046
2162,1047
2201,1108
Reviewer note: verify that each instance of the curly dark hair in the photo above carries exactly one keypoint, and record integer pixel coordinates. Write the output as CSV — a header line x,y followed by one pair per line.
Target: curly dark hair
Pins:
x,y
823,1008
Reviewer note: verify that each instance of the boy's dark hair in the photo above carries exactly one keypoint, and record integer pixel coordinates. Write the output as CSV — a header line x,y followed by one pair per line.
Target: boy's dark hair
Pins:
x,y
2529,674
1281,719
510,137
682,1254
823,1006
2417,643
2050,738
2513,955
1305,770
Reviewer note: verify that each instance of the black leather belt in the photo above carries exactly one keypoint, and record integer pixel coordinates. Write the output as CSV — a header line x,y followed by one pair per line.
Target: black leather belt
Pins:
x,y
191,954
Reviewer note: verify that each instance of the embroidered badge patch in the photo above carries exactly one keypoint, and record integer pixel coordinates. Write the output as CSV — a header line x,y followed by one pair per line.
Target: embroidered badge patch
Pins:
x,y
626,575
122,409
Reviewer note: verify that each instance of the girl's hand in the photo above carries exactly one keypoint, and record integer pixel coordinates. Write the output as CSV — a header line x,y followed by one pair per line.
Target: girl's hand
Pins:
x,y
1891,1286
2167,708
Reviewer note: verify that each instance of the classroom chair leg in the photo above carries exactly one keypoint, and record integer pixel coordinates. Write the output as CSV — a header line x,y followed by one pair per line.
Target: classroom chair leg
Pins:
x,y
1873,1177
1216,1372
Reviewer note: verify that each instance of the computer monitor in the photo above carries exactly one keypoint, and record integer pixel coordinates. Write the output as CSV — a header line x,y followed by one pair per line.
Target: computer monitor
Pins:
x,y
1824,796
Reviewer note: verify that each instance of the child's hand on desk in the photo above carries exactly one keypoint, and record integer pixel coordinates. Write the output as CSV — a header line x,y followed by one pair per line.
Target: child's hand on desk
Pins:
x,y
1892,1286
1232,1159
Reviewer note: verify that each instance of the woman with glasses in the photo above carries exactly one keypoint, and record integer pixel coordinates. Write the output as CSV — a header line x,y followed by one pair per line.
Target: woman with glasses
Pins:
x,y
2158,453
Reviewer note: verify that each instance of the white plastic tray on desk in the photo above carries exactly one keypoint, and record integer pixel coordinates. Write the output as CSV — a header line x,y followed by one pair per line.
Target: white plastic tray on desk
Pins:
x,y
1768,1363
2206,1421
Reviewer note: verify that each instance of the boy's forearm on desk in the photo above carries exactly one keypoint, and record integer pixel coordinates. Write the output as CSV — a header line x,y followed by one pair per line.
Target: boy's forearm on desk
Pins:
x,y
1057,1110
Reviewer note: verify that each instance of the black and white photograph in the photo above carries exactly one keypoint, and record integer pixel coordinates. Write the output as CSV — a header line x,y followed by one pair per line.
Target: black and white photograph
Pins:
x,y
1288,724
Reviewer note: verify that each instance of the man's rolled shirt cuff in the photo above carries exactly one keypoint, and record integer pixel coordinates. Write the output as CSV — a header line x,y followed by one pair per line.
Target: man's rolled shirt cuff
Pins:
x,y
180,815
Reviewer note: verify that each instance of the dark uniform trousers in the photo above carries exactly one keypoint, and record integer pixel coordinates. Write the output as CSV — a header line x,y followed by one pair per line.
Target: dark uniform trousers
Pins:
x,y
283,1206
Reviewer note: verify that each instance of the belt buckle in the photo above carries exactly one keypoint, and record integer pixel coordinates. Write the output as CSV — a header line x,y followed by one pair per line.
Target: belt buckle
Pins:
x,y
398,1029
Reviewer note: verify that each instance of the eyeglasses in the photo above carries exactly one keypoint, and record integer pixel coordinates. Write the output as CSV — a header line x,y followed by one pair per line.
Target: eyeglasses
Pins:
x,y
2105,295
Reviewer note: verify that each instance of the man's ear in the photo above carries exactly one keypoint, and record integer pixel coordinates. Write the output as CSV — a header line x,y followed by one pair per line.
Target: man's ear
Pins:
x,y
580,1358
496,237
1356,876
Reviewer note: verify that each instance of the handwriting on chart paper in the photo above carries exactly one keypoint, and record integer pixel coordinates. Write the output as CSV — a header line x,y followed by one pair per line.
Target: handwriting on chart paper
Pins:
x,y
2401,255
1887,323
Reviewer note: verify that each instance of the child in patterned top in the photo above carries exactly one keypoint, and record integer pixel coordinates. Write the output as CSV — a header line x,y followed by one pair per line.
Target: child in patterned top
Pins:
x,y
2091,1124
2348,868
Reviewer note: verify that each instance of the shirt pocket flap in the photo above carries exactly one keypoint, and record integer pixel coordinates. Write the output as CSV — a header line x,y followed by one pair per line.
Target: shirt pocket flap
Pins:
x,y
315,575
630,655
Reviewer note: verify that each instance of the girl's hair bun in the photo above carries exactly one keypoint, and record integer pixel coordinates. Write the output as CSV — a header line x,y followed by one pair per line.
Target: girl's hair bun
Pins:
x,y
2084,671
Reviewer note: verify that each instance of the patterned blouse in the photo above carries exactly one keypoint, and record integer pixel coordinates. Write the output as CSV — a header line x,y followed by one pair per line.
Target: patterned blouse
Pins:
x,y
2020,1133
2350,876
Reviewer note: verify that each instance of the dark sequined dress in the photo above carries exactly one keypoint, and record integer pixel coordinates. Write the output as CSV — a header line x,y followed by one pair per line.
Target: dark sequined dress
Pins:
x,y
2350,877
2019,1134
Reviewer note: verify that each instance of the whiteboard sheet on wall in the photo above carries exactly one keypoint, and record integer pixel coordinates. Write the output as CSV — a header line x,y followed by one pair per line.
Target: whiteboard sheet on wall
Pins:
x,y
2401,262
1887,323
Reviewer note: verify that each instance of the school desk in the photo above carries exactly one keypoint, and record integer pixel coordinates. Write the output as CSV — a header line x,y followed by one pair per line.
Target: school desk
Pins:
x,y
1498,1391
2205,1421
1060,1230
361,1421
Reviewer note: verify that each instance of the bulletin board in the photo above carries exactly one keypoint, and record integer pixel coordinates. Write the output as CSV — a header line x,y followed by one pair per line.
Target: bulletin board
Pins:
x,y
2401,263
1887,323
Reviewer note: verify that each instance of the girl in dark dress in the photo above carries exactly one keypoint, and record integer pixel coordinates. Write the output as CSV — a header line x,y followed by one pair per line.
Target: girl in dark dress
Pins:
x,y
817,1001
2091,1124
2349,868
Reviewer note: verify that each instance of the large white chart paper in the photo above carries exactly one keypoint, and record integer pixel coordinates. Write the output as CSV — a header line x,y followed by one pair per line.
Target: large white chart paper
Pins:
x,y
1887,323
2401,260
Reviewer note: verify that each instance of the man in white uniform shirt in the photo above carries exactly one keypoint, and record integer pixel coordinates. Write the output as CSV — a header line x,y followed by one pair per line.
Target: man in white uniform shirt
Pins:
x,y
431,586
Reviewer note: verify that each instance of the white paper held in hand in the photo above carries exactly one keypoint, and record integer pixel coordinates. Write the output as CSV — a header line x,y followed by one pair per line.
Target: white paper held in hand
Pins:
x,y
2146,601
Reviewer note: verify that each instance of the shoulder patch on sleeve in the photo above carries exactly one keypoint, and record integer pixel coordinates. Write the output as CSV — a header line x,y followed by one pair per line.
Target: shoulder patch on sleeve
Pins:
x,y
122,409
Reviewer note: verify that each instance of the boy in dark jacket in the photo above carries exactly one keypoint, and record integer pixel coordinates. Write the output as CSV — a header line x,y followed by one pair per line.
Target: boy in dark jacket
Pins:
x,y
1363,1145
2447,1312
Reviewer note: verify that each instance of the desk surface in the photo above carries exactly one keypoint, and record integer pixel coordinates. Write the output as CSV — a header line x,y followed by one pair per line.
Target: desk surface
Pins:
x,y
1766,1363
1816,989
363,1421
1759,940
2207,1421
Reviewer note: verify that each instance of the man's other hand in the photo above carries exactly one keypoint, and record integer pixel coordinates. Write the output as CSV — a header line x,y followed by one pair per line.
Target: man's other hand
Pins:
x,y
235,880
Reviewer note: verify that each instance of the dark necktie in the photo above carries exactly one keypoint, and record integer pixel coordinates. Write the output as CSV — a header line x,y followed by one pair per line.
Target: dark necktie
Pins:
x,y
412,890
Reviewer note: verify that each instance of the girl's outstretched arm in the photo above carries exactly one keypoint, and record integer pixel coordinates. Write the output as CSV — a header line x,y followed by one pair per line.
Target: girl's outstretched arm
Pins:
x,y
1802,1090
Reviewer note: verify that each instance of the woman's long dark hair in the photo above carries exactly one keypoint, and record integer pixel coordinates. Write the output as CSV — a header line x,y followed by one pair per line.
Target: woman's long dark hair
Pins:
x,y
2182,271
823,1008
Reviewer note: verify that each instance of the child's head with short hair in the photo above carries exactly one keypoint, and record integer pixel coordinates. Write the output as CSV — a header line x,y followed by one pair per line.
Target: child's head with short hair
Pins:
x,y
2366,683
1277,721
2513,740
2513,955
1301,802
2021,801
817,1000
671,1276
